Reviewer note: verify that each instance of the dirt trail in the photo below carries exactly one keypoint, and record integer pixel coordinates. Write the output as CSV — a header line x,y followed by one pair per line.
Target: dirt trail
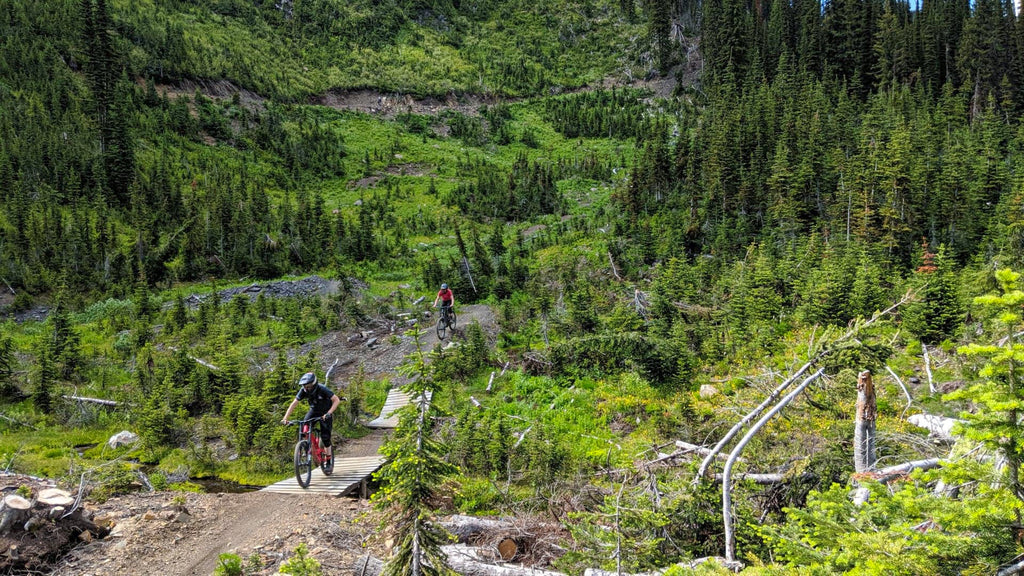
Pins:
x,y
378,352
158,533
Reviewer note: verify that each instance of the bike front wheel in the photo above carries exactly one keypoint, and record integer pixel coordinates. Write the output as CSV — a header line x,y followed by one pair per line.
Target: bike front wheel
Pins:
x,y
303,463
442,327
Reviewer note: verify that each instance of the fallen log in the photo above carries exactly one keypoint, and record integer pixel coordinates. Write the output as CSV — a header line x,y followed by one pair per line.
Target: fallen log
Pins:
x,y
902,386
89,400
464,560
508,549
199,361
467,528
13,421
769,479
1016,568
886,475
928,368
688,448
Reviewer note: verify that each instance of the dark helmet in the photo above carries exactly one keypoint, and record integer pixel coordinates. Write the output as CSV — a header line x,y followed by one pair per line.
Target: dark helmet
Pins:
x,y
444,286
308,379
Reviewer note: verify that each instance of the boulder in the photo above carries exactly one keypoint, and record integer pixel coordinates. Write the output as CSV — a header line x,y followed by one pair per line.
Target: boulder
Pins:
x,y
123,438
708,391
939,426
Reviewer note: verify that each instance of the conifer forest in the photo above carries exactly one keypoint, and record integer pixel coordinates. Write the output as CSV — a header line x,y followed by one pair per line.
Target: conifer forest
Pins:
x,y
743,258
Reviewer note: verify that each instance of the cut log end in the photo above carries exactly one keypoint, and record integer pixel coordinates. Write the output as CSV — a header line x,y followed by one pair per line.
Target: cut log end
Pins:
x,y
55,497
508,549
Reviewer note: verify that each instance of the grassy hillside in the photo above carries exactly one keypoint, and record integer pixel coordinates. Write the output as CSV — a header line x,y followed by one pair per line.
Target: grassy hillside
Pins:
x,y
422,48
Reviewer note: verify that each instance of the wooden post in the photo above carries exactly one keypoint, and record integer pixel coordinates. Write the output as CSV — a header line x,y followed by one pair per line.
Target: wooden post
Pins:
x,y
864,430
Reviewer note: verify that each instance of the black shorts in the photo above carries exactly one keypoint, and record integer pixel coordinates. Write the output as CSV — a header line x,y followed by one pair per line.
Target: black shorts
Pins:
x,y
325,426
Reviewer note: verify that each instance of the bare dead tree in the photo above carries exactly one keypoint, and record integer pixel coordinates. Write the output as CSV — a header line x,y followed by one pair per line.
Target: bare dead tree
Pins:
x,y
730,531
822,353
640,303
928,368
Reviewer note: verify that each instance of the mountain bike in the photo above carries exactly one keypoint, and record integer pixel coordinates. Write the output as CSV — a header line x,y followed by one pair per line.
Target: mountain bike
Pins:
x,y
445,321
309,451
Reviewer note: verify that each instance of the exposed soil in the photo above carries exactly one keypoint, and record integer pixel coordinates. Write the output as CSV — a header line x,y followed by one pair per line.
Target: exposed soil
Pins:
x,y
381,350
163,533
389,105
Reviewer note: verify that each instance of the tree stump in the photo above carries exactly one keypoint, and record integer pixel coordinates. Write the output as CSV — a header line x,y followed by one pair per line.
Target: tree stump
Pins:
x,y
13,509
55,497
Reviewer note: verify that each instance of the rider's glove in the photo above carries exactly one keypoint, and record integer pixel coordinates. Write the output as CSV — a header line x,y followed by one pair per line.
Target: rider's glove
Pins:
x,y
328,416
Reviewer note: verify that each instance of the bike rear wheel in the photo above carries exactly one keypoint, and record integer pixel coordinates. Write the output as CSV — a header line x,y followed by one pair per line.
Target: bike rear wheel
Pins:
x,y
303,463
451,319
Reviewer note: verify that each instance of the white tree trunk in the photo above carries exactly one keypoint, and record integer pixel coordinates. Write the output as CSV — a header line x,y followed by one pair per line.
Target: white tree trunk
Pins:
x,y
730,535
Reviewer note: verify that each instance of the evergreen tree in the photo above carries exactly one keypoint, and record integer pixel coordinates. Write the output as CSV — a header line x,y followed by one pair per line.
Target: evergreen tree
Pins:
x,y
999,395
411,479
46,378
937,313
8,389
62,342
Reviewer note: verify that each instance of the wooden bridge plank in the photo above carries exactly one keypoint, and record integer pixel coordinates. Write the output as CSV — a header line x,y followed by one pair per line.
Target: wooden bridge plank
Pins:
x,y
348,474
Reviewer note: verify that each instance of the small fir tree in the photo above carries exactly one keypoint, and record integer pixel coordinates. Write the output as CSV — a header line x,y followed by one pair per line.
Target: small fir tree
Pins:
x,y
411,479
7,387
999,395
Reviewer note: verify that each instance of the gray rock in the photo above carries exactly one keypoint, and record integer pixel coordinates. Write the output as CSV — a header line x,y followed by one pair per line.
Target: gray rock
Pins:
x,y
123,438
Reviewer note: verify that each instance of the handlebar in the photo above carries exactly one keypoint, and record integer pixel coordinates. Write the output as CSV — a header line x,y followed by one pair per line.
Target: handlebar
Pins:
x,y
317,419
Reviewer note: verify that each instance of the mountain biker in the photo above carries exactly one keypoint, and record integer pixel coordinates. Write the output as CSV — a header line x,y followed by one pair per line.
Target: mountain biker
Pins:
x,y
445,296
322,404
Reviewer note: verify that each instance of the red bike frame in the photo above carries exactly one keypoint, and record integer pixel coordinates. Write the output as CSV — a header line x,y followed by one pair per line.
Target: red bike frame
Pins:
x,y
314,439
309,452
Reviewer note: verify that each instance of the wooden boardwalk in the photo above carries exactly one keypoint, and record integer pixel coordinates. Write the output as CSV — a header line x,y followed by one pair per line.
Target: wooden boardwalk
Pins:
x,y
348,478
388,419
350,474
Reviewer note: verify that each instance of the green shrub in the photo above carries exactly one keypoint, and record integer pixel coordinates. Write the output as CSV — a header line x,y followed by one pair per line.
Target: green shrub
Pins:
x,y
301,563
228,565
